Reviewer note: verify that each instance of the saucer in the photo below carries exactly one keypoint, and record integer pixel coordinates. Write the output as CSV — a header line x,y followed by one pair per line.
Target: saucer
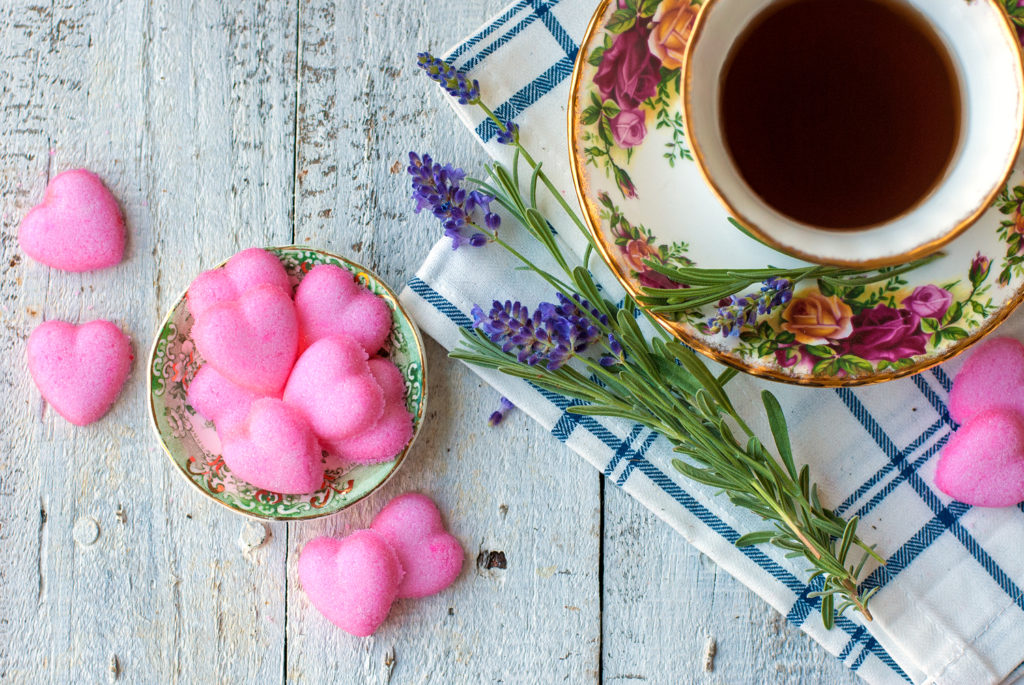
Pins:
x,y
644,199
192,444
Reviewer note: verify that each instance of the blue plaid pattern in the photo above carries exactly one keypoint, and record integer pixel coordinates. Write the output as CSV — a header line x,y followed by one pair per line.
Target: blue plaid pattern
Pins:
x,y
628,455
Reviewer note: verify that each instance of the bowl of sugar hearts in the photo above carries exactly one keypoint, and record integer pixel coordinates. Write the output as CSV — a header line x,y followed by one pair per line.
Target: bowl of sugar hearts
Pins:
x,y
287,383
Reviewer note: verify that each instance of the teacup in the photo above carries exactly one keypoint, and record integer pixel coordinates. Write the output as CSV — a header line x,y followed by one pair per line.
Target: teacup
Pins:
x,y
985,53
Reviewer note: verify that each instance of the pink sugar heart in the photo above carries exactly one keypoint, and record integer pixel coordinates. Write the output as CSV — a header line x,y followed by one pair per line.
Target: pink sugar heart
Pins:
x,y
983,463
274,449
329,301
992,377
352,581
332,386
244,271
388,435
431,556
79,369
78,225
219,400
251,341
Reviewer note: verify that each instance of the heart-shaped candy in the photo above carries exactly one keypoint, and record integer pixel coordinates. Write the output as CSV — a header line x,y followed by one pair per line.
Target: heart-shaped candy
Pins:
x,y
983,463
79,369
389,435
992,377
219,400
251,341
352,581
329,301
274,449
332,386
431,556
78,225
246,270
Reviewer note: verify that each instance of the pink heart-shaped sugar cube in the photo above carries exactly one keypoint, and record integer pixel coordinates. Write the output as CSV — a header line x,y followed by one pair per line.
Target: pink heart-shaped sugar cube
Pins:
x,y
993,377
274,449
329,302
219,400
332,386
251,341
244,271
79,369
389,435
983,463
352,581
431,556
78,225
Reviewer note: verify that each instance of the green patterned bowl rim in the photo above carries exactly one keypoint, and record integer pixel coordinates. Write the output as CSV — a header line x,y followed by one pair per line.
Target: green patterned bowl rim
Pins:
x,y
261,504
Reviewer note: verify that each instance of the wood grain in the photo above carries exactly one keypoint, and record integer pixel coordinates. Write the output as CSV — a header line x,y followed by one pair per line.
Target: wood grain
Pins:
x,y
225,125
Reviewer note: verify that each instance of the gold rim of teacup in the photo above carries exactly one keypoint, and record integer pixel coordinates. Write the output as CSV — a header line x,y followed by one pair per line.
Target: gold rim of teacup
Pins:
x,y
678,330
399,460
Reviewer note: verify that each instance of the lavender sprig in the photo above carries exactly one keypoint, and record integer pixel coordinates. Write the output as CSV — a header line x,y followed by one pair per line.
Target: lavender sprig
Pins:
x,y
438,188
736,312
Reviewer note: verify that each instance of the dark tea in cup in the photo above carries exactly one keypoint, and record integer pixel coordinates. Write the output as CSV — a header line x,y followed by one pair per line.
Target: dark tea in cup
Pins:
x,y
841,114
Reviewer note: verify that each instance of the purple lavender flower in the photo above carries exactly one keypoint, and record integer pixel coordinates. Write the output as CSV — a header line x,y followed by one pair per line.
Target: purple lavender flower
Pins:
x,y
510,134
553,333
735,312
456,83
437,188
499,415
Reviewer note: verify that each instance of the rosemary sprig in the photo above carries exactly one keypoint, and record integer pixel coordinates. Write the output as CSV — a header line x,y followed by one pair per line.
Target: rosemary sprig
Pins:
x,y
655,381
705,286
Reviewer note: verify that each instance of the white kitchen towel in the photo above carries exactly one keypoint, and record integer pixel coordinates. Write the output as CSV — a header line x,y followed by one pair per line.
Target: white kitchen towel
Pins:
x,y
950,607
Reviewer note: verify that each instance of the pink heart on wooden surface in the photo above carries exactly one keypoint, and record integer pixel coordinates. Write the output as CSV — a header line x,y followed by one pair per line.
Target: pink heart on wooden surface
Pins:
x,y
329,302
251,341
78,225
389,435
79,370
983,463
244,271
431,556
332,386
219,400
993,377
352,581
274,449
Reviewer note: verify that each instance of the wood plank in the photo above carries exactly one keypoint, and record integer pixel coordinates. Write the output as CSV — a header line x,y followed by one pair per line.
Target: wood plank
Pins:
x,y
664,601
512,489
188,118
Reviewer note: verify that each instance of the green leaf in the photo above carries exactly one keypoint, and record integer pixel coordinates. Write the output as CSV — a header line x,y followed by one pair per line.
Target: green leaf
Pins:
x,y
649,7
854,363
590,115
596,55
827,611
780,431
952,314
821,351
955,333
622,21
929,324
610,109
758,538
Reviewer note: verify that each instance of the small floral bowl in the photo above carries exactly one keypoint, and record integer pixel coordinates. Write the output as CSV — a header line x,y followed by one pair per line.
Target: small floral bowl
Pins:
x,y
192,444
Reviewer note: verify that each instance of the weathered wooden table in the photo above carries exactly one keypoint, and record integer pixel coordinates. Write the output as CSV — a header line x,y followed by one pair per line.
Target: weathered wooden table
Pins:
x,y
223,125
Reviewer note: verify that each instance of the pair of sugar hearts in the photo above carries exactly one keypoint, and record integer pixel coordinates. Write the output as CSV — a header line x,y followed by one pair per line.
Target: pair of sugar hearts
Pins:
x,y
79,369
983,463
405,553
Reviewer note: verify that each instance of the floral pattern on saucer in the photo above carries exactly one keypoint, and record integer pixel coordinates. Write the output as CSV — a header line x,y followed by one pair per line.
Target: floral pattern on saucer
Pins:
x,y
192,443
645,200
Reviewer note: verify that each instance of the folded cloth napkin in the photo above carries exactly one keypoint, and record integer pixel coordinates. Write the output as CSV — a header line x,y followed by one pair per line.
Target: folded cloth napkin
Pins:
x,y
950,608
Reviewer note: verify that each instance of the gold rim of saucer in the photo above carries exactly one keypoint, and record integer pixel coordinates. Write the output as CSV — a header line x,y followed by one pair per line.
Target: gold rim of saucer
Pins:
x,y
399,460
593,222
921,250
